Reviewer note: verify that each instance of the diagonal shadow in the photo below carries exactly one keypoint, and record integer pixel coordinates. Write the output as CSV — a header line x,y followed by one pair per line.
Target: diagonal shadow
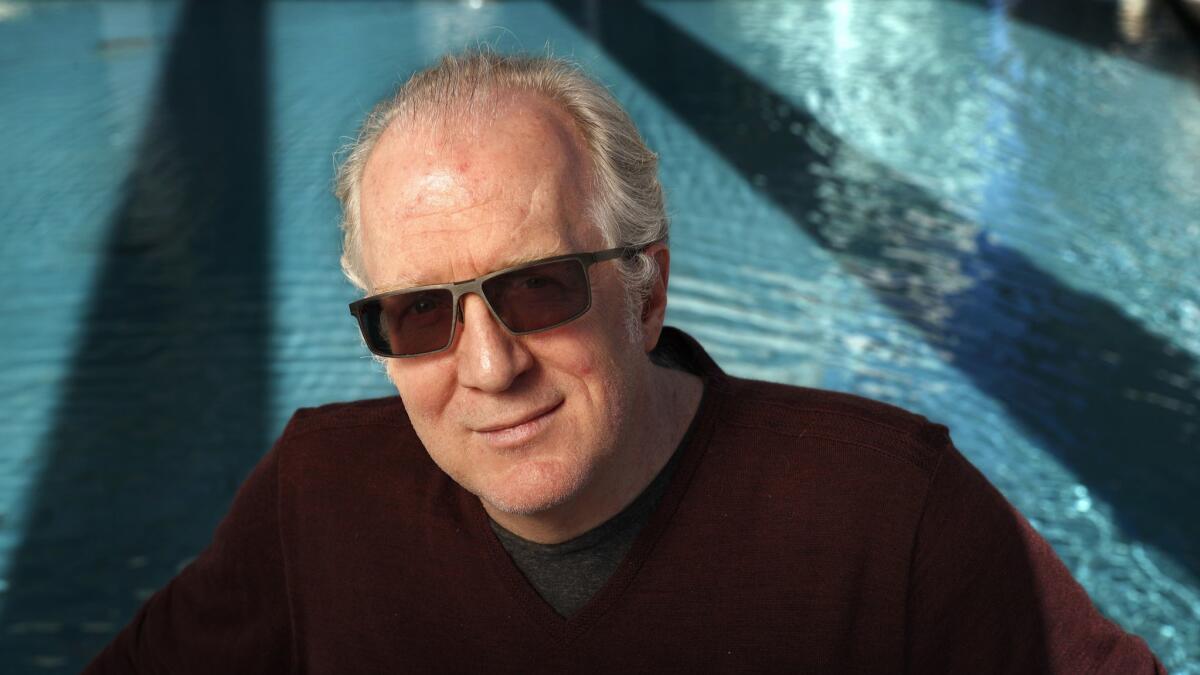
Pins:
x,y
164,410
1115,403
1155,33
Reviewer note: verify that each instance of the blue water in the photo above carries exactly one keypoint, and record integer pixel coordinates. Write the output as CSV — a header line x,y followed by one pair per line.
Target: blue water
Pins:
x,y
986,215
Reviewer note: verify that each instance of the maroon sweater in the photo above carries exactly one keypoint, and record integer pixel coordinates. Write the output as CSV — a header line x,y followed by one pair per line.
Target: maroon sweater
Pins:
x,y
803,531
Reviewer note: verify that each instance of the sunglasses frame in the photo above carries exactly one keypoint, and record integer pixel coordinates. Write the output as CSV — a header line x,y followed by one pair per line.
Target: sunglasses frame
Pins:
x,y
460,288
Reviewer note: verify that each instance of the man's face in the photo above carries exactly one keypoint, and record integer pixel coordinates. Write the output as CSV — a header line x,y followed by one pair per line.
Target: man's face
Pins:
x,y
524,422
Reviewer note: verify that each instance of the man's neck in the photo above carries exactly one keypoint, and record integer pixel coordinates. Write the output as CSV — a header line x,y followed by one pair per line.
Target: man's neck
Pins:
x,y
675,398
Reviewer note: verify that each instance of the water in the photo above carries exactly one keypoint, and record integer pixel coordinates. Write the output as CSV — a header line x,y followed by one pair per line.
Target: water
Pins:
x,y
986,216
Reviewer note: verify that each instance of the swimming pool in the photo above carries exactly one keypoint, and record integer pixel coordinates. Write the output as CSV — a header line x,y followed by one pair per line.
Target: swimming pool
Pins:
x,y
986,215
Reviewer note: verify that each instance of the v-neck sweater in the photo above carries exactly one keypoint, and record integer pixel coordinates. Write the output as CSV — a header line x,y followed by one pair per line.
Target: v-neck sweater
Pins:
x,y
567,574
802,531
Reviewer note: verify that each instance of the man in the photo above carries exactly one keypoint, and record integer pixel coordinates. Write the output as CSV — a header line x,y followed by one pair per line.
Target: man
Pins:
x,y
563,484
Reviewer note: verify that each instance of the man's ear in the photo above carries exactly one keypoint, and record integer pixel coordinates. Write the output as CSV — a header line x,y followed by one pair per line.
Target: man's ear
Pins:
x,y
654,309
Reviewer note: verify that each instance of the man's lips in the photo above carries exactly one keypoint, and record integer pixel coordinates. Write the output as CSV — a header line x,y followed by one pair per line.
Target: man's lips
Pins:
x,y
519,420
521,430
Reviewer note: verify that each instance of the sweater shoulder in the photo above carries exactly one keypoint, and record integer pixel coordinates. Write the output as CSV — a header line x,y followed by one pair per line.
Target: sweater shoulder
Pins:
x,y
335,441
387,411
836,418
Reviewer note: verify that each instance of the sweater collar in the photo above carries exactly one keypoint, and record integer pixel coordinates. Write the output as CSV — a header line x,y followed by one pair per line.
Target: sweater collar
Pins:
x,y
677,348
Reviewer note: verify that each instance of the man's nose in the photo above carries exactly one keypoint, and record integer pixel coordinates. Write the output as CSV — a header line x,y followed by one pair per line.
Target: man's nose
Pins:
x,y
489,357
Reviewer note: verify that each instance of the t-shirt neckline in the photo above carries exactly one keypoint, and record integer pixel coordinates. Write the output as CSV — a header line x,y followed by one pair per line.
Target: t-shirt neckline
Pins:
x,y
691,450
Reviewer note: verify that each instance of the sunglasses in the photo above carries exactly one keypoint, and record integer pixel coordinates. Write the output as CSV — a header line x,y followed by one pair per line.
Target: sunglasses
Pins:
x,y
528,298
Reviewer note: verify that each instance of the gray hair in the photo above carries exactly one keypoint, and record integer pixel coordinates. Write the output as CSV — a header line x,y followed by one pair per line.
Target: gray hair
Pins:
x,y
626,198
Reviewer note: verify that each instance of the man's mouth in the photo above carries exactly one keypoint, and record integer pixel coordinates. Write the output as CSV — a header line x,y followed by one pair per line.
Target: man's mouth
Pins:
x,y
519,430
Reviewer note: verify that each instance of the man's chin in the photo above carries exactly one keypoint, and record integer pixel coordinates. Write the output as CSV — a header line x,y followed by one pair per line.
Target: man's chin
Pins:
x,y
533,489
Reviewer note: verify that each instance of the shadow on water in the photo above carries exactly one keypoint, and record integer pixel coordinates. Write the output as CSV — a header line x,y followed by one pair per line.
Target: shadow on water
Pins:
x,y
1115,403
1155,33
163,413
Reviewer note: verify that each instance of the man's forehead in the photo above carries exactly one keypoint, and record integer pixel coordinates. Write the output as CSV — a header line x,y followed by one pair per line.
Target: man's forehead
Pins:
x,y
421,171
506,199
443,186
439,246
407,179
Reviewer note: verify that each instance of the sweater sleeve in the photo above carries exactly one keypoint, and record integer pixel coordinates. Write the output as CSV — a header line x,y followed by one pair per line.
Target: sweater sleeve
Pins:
x,y
987,594
225,612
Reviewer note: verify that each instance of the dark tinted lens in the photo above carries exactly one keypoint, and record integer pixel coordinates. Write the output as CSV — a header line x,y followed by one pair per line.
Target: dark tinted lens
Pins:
x,y
410,323
539,297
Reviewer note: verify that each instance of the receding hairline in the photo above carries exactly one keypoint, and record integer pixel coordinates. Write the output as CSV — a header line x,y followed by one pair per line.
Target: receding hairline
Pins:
x,y
440,127
552,119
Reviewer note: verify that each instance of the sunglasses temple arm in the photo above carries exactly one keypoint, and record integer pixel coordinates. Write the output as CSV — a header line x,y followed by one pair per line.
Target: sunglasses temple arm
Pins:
x,y
626,252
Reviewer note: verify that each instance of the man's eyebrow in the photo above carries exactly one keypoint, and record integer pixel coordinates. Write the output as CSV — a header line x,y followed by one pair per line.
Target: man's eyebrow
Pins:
x,y
402,281
525,258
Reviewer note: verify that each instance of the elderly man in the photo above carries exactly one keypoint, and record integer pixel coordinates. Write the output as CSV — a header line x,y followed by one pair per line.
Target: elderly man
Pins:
x,y
564,484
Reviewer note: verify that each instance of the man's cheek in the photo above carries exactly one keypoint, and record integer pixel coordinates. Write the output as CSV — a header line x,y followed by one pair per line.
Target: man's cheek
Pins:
x,y
586,369
426,388
570,350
